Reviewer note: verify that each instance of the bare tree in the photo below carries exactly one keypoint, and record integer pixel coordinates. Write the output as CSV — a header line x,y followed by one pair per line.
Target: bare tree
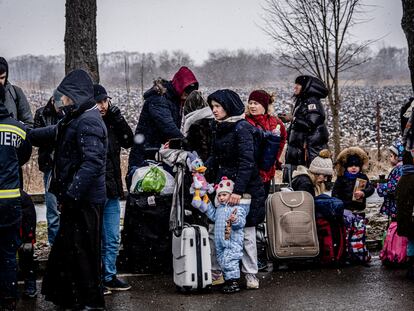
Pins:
x,y
407,24
80,37
313,37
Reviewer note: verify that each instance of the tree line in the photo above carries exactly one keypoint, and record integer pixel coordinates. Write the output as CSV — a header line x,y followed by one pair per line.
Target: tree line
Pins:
x,y
222,68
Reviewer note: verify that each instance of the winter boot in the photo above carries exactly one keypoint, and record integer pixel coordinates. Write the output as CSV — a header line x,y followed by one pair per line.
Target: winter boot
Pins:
x,y
231,286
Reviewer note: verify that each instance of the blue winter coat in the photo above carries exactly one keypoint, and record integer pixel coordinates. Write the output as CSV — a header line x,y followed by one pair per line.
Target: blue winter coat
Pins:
x,y
233,155
80,141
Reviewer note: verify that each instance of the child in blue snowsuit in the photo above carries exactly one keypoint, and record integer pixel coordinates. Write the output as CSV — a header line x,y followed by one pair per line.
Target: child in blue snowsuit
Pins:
x,y
228,232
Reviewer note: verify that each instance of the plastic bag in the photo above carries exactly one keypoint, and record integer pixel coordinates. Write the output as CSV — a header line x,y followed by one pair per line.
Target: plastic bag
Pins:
x,y
153,181
139,174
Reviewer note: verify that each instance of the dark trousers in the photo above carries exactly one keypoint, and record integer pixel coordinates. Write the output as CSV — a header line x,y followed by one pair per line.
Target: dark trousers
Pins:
x,y
9,244
73,273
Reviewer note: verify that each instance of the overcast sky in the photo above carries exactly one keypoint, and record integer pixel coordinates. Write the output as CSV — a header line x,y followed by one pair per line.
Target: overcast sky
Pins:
x,y
194,26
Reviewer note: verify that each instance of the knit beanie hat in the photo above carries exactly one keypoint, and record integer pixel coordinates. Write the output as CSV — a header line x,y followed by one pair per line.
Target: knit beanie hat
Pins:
x,y
398,149
225,185
322,164
353,160
262,97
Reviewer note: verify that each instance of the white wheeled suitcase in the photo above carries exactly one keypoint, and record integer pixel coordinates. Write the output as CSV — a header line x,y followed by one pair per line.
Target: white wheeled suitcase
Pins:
x,y
190,245
191,258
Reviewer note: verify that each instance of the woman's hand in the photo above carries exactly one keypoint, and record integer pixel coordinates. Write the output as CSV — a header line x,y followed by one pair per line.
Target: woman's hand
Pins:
x,y
234,199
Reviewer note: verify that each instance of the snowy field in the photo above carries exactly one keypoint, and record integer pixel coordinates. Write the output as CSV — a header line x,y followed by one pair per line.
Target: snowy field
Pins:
x,y
357,116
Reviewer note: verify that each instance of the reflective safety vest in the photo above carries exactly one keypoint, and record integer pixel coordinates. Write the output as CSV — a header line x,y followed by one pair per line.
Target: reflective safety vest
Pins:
x,y
12,135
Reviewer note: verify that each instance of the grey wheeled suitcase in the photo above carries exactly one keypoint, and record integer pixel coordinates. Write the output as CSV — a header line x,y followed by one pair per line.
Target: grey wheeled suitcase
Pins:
x,y
291,225
190,246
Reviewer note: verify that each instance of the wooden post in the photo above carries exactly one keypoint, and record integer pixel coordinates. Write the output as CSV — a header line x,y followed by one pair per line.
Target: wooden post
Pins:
x,y
127,85
142,75
378,117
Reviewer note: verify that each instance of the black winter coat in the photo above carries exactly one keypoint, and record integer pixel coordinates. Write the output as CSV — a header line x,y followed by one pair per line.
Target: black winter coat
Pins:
x,y
119,135
80,141
343,189
308,125
45,116
14,152
233,156
160,121
303,183
199,138
405,203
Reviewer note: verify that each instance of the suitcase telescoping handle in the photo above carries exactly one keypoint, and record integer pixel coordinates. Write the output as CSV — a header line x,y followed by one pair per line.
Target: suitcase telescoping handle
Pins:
x,y
178,199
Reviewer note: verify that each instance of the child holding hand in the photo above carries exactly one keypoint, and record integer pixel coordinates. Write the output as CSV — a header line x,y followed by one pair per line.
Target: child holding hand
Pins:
x,y
228,232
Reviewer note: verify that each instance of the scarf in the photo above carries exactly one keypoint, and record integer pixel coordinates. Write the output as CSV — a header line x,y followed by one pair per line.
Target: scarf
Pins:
x,y
353,176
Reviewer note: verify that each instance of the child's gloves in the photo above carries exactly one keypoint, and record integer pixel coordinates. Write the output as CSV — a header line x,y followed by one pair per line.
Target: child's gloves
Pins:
x,y
201,205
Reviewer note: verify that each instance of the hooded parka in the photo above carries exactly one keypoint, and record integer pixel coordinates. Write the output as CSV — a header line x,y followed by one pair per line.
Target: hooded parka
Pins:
x,y
73,274
308,134
233,153
160,118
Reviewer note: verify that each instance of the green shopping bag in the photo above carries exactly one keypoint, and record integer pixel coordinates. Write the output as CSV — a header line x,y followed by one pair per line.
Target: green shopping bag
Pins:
x,y
154,181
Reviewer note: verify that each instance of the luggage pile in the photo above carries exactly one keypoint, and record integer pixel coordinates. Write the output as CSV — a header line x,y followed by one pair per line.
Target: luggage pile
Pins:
x,y
299,226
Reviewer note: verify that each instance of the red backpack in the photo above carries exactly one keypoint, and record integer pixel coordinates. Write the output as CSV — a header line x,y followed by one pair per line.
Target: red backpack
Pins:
x,y
332,241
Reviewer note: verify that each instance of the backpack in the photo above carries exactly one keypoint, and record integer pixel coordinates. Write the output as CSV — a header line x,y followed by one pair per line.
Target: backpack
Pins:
x,y
329,207
394,252
332,241
266,147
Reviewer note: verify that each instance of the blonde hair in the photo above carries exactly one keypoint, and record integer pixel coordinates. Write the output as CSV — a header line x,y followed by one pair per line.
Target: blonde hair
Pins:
x,y
270,108
319,187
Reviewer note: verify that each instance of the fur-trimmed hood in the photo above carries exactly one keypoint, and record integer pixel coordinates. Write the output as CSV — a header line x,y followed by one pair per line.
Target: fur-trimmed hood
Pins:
x,y
300,170
343,157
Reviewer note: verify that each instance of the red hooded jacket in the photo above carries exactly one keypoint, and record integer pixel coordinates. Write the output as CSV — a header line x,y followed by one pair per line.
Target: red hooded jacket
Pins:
x,y
183,78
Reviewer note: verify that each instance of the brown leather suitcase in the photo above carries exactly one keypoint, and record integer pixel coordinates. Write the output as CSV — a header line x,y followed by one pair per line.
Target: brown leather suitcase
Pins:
x,y
291,225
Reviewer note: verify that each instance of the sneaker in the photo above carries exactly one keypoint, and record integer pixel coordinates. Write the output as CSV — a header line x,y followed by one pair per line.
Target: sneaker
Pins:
x,y
251,281
116,284
30,290
231,286
106,291
217,278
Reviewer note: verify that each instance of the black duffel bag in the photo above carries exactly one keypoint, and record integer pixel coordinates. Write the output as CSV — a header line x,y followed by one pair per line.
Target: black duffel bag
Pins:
x,y
146,238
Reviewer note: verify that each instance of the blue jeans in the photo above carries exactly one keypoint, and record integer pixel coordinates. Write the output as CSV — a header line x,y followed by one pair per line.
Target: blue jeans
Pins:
x,y
52,213
110,237
9,244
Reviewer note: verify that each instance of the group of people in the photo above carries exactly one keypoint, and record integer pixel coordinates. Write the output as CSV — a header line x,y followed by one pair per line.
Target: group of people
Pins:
x,y
80,134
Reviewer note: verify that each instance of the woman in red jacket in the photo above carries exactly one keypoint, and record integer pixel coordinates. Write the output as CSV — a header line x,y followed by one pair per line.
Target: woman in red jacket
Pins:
x,y
258,113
